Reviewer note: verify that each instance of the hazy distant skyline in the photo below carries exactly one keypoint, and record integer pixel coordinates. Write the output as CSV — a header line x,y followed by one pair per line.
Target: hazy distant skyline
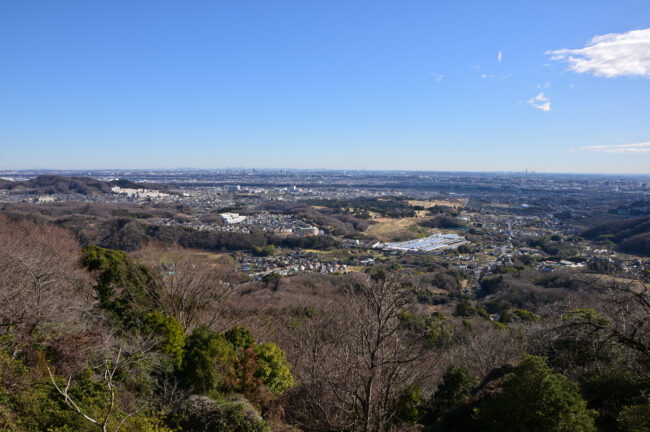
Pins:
x,y
472,86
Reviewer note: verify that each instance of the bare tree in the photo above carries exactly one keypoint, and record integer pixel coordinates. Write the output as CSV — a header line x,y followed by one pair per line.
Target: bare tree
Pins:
x,y
354,364
590,332
193,292
487,348
627,303
41,281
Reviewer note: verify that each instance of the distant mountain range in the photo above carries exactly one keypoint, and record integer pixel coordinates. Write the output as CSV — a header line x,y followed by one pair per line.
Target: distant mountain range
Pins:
x,y
53,184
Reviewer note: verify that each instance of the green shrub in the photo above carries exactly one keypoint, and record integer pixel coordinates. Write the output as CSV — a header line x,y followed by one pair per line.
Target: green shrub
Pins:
x,y
635,418
171,332
209,358
534,399
240,337
274,369
121,284
201,414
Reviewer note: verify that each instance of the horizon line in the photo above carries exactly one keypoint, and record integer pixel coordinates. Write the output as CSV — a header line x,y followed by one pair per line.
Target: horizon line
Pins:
x,y
525,172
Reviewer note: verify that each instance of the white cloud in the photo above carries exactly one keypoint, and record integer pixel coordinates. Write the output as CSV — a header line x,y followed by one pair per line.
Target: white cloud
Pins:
x,y
620,148
540,102
437,77
489,76
610,55
499,56
547,84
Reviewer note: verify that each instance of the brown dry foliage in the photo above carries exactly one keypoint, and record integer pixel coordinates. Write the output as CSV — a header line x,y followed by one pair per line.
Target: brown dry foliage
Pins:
x,y
43,287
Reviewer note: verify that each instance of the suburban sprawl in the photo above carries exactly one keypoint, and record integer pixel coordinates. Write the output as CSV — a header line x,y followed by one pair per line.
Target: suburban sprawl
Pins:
x,y
285,300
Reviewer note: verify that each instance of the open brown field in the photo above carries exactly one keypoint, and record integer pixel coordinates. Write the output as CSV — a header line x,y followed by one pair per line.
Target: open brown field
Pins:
x,y
454,203
387,229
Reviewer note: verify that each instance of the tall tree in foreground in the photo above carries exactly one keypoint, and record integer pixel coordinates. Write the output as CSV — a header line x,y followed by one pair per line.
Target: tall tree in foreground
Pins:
x,y
356,365
534,399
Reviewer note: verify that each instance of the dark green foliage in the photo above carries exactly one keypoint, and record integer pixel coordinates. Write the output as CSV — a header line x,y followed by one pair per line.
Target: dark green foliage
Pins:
x,y
490,285
447,281
240,337
234,363
14,379
635,418
209,359
377,274
455,389
442,221
534,399
121,284
518,315
39,407
271,277
466,309
408,408
171,333
609,392
265,251
319,242
47,409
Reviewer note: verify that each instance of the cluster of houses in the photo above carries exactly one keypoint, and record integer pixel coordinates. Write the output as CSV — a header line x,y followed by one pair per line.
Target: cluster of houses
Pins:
x,y
234,222
293,263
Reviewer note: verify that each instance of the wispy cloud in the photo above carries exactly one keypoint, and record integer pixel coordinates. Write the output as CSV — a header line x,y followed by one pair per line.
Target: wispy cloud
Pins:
x,y
619,148
499,56
540,102
545,85
437,77
610,55
487,76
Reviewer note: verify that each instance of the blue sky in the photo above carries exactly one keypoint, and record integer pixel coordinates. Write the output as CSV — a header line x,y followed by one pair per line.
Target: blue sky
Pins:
x,y
339,84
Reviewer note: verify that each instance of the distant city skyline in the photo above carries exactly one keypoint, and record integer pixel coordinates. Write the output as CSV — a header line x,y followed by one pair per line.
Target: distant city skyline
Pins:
x,y
553,87
103,172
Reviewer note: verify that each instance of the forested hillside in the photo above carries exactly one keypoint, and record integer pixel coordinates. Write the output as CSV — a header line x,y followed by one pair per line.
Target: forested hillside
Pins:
x,y
55,184
629,235
96,339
